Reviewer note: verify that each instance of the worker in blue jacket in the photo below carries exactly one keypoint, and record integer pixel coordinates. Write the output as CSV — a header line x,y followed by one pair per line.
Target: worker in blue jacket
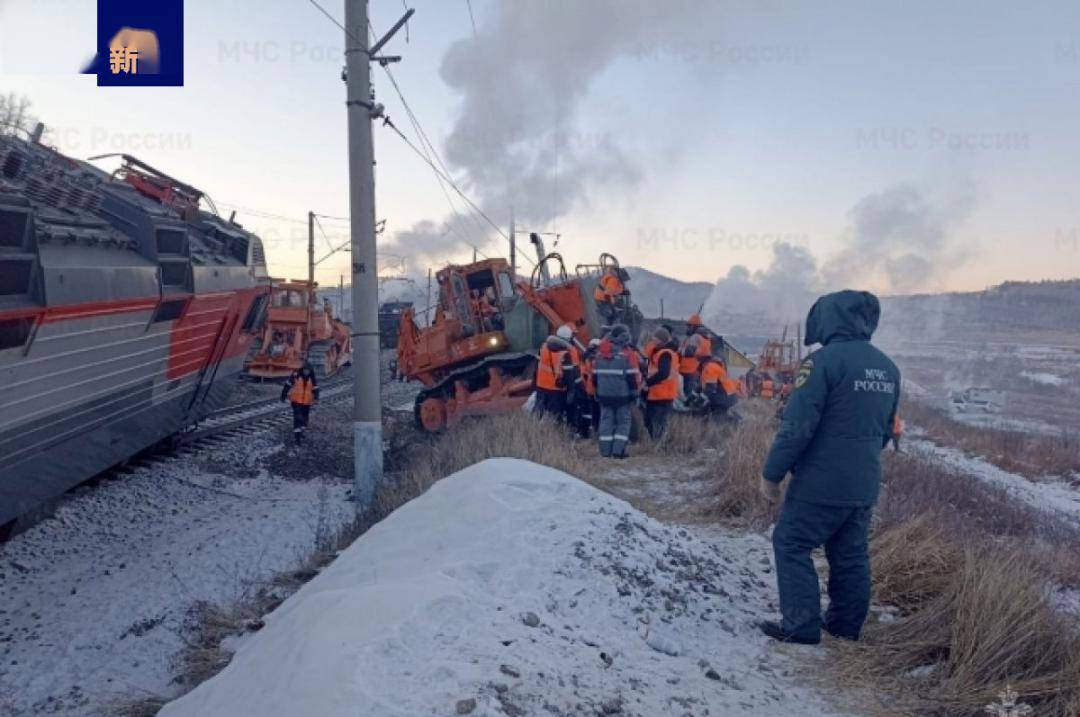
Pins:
x,y
839,418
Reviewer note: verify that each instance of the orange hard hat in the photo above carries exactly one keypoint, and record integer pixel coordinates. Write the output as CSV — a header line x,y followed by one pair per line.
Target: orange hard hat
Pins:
x,y
694,320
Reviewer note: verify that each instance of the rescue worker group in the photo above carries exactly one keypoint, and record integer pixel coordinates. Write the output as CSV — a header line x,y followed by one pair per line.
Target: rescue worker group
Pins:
x,y
595,389
838,414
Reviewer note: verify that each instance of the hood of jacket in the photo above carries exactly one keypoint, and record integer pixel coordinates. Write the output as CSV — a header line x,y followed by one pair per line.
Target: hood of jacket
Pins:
x,y
844,315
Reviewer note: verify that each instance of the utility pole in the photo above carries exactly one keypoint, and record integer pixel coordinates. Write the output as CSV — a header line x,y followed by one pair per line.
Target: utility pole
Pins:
x,y
341,296
362,109
513,248
310,278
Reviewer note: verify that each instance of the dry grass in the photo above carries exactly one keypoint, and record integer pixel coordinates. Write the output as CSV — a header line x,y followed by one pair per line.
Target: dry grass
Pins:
x,y
970,569
986,625
737,473
516,435
1028,454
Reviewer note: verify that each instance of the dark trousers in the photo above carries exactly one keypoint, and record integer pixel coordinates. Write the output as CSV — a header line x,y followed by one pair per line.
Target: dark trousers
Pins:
x,y
691,382
584,414
551,402
844,531
719,404
300,415
614,433
656,418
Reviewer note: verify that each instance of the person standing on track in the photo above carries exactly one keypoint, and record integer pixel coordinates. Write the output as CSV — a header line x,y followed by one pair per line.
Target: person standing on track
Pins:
x,y
302,391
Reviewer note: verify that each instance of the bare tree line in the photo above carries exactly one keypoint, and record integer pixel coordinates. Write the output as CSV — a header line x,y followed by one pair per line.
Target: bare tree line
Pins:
x,y
15,114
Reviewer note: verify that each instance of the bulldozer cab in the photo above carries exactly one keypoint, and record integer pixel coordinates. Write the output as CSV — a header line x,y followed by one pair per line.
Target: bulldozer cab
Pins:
x,y
476,295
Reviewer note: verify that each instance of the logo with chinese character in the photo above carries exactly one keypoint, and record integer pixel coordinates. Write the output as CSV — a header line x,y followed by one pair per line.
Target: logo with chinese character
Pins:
x,y
140,43
1008,705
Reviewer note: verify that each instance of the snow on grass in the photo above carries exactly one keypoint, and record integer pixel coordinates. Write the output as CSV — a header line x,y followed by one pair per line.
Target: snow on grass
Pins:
x,y
1054,496
1045,379
511,588
93,601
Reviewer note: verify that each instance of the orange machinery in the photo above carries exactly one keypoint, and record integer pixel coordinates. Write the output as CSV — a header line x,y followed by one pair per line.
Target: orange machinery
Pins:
x,y
478,355
298,328
779,360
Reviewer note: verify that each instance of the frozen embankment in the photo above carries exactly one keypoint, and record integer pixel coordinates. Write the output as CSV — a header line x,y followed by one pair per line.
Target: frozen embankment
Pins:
x,y
510,588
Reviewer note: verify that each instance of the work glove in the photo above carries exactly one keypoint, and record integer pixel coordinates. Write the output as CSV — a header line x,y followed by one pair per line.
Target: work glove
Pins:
x,y
769,490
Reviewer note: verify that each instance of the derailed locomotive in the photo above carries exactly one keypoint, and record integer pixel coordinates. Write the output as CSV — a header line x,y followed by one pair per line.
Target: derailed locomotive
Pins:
x,y
126,312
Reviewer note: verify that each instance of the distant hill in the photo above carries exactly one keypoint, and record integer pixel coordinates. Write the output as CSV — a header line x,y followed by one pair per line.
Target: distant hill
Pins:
x,y
1012,306
681,298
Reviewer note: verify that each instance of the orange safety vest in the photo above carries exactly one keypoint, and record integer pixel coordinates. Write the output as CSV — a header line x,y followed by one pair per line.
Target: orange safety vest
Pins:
x,y
588,365
766,389
691,364
650,346
608,288
714,372
302,391
668,389
549,372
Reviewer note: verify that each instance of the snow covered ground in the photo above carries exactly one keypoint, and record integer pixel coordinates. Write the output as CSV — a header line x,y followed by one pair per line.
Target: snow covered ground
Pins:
x,y
513,589
1053,495
93,600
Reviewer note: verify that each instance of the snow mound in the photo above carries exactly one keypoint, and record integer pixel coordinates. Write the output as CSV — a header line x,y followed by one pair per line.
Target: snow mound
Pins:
x,y
510,588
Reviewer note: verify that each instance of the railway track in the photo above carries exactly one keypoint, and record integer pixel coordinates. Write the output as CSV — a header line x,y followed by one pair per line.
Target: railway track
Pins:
x,y
215,427
255,415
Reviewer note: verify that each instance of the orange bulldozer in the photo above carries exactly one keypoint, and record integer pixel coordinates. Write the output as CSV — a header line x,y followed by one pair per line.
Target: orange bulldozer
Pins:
x,y
298,328
477,354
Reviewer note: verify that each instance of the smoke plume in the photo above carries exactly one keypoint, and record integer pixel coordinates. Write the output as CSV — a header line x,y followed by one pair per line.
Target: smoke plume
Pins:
x,y
519,140
899,241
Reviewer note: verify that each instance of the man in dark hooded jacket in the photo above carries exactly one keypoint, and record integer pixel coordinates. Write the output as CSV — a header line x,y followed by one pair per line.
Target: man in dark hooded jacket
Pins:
x,y
838,419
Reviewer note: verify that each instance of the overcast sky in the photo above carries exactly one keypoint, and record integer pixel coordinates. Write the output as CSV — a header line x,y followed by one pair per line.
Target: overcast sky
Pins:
x,y
689,143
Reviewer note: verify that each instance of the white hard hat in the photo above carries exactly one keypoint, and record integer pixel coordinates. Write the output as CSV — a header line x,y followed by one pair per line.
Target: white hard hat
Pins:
x,y
565,332
594,342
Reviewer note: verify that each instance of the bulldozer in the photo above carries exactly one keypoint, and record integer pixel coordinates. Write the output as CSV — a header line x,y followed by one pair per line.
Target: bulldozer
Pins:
x,y
477,356
299,329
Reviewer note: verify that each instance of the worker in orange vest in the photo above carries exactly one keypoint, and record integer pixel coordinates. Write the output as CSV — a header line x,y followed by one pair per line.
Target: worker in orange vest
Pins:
x,y
661,383
555,374
590,412
767,388
696,346
721,392
302,391
608,294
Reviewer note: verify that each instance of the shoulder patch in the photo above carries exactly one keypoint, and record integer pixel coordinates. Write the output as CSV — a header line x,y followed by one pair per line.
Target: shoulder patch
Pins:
x,y
805,369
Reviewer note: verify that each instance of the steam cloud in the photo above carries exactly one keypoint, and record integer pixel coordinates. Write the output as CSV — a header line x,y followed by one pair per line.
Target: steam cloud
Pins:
x,y
518,139
900,241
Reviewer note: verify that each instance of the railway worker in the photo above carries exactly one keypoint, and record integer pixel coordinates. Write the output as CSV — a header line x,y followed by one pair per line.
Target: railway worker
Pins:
x,y
555,374
302,390
840,417
767,388
652,344
618,382
661,383
608,294
590,413
719,390
696,346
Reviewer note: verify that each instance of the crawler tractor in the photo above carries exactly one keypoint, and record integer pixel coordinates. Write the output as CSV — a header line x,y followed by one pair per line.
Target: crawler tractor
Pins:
x,y
479,354
299,329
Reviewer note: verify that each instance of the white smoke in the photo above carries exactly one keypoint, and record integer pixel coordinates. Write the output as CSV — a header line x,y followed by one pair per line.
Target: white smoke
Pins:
x,y
519,140
900,241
